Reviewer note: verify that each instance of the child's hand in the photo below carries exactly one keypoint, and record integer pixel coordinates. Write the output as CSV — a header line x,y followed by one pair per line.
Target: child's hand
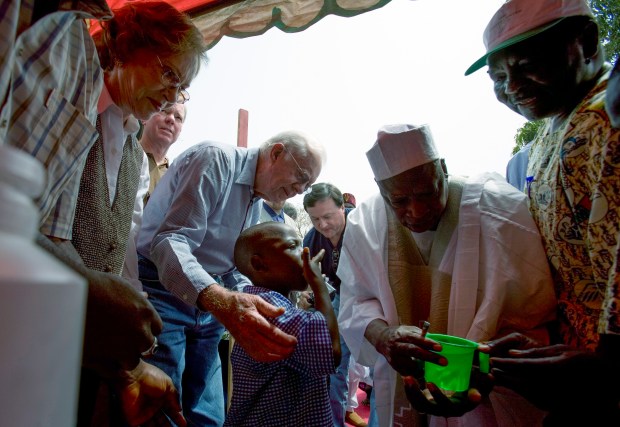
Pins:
x,y
312,267
322,302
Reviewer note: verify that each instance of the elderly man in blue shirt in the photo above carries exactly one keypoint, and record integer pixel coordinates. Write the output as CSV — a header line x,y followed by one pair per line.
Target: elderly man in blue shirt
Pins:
x,y
186,246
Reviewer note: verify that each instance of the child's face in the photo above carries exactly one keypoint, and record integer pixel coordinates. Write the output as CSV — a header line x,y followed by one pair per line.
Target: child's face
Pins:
x,y
284,257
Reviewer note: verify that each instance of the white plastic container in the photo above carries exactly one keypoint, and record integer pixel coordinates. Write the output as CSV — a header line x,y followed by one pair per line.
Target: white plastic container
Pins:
x,y
42,309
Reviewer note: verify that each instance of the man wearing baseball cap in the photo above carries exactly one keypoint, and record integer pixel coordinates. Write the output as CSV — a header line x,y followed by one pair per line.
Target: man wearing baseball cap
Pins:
x,y
349,200
463,254
546,62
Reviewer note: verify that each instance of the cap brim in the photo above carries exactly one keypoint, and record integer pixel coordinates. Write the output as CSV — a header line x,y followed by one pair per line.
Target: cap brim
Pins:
x,y
511,41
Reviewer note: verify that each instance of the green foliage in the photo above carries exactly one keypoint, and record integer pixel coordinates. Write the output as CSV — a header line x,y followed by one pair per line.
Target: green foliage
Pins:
x,y
607,13
525,134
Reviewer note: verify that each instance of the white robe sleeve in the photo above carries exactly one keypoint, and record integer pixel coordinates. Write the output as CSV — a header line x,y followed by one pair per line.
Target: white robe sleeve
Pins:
x,y
365,293
515,291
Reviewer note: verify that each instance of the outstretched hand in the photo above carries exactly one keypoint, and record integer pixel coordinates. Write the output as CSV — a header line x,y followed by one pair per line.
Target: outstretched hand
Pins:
x,y
434,402
403,346
243,315
551,377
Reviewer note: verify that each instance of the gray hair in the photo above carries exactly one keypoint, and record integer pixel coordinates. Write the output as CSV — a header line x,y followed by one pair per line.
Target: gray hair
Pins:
x,y
297,143
153,25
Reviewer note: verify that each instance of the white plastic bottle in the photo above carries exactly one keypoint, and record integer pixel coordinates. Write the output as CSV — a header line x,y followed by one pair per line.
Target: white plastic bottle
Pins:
x,y
42,309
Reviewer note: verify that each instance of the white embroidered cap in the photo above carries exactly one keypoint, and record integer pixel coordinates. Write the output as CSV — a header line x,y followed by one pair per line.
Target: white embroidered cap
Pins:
x,y
399,148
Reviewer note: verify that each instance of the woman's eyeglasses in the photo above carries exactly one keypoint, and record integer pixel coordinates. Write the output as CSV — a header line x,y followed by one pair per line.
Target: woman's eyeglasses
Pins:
x,y
170,79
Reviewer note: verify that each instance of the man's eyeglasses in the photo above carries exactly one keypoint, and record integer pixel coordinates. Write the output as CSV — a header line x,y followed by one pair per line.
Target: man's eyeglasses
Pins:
x,y
170,79
302,177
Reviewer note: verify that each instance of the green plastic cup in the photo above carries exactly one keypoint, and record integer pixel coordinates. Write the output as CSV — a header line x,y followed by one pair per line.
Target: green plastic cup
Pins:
x,y
460,354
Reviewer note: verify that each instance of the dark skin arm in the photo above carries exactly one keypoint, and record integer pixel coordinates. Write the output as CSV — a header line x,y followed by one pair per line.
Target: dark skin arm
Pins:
x,y
146,393
120,322
404,348
120,325
401,345
322,302
433,401
556,377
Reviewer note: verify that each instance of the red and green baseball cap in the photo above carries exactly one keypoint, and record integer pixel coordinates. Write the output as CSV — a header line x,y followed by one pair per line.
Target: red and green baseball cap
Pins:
x,y
518,20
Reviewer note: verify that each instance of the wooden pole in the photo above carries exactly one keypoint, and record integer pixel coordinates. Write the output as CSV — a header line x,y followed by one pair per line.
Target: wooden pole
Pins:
x,y
242,128
242,141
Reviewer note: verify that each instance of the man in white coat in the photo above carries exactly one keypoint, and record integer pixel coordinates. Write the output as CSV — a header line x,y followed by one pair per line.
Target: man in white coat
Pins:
x,y
463,254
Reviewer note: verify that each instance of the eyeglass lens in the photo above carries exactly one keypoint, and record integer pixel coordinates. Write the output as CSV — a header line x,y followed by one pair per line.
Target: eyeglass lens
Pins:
x,y
170,79
302,176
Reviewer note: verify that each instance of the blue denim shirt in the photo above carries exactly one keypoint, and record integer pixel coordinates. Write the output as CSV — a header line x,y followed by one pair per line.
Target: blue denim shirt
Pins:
x,y
195,215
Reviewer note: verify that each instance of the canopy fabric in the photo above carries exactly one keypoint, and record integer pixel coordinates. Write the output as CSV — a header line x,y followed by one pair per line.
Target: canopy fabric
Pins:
x,y
245,18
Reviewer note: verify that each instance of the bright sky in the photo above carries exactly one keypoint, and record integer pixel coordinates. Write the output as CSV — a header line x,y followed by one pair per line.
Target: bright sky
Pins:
x,y
343,78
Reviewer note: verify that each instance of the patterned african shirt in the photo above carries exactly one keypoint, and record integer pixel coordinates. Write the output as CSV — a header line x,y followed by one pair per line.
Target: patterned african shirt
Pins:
x,y
574,189
291,391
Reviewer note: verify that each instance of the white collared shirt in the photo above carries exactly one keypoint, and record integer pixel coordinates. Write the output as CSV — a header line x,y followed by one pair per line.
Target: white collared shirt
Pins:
x,y
114,132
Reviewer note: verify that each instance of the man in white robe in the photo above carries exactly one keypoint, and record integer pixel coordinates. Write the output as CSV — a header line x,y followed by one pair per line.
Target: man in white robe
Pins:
x,y
464,254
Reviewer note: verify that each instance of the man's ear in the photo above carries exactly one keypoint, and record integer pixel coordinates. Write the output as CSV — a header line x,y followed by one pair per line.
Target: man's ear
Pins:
x,y
257,263
590,41
444,168
276,151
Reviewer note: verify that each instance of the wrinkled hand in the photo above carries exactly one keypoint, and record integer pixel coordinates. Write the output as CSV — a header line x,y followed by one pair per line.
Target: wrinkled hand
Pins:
x,y
551,377
243,315
433,401
120,324
402,345
147,392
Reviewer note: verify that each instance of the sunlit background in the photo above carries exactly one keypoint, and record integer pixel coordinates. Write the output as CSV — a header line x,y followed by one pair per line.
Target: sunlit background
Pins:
x,y
343,78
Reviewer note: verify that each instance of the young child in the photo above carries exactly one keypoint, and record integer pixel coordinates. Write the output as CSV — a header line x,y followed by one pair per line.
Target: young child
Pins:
x,y
293,391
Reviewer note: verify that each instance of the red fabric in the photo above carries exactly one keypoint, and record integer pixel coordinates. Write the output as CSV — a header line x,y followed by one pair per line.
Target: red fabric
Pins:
x,y
183,5
241,18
